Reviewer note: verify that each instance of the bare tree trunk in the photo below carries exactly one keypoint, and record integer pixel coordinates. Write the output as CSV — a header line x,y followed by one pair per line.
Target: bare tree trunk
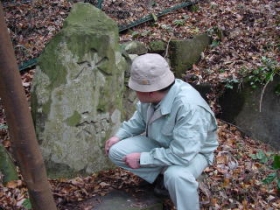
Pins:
x,y
21,129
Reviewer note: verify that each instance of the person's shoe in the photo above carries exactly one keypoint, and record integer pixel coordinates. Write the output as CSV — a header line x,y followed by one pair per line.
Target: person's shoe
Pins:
x,y
159,189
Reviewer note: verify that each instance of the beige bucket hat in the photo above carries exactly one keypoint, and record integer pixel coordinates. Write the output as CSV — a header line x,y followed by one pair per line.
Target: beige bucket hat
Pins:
x,y
150,72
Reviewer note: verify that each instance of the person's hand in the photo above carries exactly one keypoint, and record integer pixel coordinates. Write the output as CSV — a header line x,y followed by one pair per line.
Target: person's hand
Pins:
x,y
132,160
110,142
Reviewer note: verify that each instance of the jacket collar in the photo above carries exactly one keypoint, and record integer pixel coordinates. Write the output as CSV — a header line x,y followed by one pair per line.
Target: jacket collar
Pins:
x,y
167,102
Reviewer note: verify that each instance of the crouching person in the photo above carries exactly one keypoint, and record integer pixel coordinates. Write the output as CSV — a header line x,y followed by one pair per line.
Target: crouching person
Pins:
x,y
172,134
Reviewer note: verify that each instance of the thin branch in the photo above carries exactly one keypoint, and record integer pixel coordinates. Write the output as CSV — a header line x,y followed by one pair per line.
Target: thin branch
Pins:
x,y
167,47
262,93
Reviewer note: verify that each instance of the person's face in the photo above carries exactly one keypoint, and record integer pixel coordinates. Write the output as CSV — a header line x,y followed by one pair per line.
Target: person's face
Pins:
x,y
150,97
144,97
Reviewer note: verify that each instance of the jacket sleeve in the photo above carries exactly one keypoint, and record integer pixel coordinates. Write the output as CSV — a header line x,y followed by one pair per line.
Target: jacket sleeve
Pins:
x,y
189,135
134,126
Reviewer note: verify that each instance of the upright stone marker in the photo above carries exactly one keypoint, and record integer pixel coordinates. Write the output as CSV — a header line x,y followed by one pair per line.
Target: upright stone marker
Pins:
x,y
241,106
77,93
184,53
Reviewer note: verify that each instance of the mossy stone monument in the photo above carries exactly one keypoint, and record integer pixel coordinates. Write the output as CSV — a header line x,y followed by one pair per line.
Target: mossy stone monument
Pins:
x,y
77,93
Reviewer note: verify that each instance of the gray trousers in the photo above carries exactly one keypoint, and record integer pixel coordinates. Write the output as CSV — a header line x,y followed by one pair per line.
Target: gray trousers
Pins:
x,y
179,180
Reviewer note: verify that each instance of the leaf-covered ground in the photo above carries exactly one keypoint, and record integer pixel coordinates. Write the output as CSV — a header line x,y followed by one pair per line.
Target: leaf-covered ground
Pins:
x,y
244,33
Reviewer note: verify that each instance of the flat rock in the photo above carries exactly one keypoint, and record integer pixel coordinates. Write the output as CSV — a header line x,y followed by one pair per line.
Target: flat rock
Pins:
x,y
128,199
119,200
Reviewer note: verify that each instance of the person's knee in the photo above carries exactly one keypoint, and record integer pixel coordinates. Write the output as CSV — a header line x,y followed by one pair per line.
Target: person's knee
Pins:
x,y
171,174
114,153
177,176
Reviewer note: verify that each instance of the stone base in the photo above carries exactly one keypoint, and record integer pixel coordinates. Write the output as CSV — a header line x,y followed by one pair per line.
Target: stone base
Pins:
x,y
119,200
138,198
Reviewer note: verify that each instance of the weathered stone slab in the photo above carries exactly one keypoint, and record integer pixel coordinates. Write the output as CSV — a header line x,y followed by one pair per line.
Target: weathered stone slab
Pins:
x,y
184,53
241,106
119,200
77,93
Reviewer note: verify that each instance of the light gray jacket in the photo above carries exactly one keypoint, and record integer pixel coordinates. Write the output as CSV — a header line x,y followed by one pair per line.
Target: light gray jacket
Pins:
x,y
182,124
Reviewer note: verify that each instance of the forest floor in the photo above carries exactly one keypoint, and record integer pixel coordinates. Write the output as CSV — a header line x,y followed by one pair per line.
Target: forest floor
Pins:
x,y
245,41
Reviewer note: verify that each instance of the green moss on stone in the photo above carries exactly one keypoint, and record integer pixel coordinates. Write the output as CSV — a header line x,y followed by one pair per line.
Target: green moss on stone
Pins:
x,y
46,107
74,119
55,69
157,46
101,107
